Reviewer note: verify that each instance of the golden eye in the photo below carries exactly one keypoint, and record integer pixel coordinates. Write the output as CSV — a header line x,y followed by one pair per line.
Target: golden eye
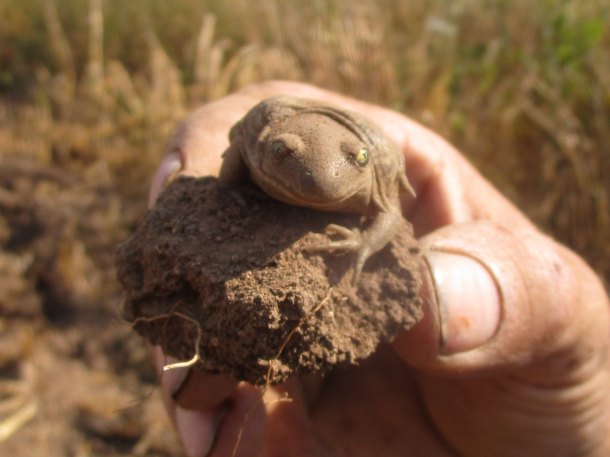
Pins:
x,y
362,157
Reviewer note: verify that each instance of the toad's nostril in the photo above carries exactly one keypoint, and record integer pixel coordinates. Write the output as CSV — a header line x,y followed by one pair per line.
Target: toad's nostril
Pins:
x,y
308,181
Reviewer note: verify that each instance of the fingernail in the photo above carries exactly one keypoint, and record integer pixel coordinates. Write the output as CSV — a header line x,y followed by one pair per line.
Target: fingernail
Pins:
x,y
197,430
167,171
468,299
171,380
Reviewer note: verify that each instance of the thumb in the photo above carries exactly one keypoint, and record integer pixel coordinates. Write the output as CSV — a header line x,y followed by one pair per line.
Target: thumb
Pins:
x,y
498,297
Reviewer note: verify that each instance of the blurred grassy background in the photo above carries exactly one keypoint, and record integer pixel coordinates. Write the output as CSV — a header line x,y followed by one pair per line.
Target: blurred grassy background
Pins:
x,y
523,88
91,90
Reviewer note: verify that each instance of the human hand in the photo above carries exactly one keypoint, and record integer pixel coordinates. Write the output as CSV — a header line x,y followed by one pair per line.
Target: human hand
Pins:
x,y
510,359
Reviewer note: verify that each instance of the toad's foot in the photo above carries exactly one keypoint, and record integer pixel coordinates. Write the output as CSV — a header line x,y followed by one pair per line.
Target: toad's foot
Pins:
x,y
363,243
353,241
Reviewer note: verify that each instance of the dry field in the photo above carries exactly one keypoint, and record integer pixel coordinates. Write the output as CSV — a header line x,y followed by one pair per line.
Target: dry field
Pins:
x,y
90,91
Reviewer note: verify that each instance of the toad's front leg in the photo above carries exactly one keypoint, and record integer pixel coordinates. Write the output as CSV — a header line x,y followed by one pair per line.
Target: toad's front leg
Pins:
x,y
234,176
363,243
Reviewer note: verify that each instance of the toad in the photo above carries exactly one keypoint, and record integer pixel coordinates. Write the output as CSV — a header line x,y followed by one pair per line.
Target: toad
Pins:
x,y
316,155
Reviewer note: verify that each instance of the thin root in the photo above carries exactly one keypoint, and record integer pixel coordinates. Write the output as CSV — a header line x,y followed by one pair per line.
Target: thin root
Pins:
x,y
184,364
289,336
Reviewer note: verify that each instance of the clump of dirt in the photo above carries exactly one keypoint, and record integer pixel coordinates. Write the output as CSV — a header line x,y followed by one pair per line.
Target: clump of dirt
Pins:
x,y
237,286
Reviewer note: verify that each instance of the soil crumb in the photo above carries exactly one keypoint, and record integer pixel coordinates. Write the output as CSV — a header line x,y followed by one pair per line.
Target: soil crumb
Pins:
x,y
237,286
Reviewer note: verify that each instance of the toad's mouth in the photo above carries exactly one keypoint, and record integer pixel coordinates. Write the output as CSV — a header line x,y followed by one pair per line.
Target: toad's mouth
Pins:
x,y
304,190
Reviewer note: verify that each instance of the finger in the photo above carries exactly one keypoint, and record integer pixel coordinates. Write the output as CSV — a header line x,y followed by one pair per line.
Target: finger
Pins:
x,y
501,298
242,431
276,424
202,137
290,431
168,169
203,391
197,402
197,430
190,388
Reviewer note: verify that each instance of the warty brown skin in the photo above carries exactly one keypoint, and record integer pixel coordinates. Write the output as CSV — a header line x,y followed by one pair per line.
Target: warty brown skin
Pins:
x,y
309,153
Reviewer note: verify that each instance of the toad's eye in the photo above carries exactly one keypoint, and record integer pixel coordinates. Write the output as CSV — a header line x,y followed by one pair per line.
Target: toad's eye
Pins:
x,y
279,149
362,157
